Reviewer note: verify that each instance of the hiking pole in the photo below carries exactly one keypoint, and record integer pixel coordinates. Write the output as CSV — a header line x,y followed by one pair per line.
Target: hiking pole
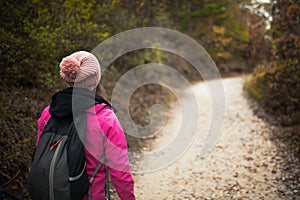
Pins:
x,y
107,192
8,194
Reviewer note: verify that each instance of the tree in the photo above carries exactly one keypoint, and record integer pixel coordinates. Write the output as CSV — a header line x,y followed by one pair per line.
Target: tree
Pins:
x,y
277,85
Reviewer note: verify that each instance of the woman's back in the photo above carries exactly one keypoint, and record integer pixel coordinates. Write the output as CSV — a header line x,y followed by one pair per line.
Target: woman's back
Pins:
x,y
104,139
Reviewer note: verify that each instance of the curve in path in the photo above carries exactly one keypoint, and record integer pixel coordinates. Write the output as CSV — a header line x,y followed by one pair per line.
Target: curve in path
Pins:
x,y
243,165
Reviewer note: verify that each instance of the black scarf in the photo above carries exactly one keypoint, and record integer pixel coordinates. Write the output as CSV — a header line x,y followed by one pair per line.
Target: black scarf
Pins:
x,y
73,101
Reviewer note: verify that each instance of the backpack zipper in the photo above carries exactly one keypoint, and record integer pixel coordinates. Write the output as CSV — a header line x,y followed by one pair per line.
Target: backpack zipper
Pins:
x,y
51,173
55,144
75,178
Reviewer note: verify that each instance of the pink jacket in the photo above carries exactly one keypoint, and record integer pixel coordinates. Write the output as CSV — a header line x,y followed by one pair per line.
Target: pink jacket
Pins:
x,y
112,142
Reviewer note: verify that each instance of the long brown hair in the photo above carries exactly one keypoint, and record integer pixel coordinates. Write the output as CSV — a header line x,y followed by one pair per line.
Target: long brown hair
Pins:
x,y
100,91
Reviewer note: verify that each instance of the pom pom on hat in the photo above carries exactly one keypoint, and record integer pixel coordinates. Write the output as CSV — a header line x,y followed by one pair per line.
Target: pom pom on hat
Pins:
x,y
81,69
69,68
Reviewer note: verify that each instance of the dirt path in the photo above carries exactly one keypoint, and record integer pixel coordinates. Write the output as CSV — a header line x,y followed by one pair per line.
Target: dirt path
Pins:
x,y
243,165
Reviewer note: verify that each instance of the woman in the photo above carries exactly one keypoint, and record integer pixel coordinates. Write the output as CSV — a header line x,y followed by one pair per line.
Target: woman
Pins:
x,y
104,136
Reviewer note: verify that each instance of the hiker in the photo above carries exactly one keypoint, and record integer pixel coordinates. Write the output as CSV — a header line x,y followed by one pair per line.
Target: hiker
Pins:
x,y
104,137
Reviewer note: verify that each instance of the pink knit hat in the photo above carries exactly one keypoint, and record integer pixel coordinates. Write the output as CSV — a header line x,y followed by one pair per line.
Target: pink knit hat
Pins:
x,y
81,69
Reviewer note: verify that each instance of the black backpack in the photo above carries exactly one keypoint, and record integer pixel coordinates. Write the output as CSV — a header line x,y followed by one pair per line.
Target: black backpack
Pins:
x,y
58,166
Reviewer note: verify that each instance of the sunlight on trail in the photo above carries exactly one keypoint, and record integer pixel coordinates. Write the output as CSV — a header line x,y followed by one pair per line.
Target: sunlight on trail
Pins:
x,y
242,165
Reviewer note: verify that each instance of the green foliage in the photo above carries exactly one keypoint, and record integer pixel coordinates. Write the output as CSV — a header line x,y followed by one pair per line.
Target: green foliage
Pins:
x,y
12,39
36,34
203,19
210,9
42,32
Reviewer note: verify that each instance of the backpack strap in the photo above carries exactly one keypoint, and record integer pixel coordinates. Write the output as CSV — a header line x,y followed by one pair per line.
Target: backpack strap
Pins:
x,y
96,171
93,177
100,100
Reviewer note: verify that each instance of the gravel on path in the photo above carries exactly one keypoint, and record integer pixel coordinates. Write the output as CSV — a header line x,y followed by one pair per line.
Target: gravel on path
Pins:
x,y
245,163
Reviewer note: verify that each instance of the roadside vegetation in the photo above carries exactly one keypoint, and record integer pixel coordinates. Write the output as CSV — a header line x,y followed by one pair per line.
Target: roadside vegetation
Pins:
x,y
37,34
276,84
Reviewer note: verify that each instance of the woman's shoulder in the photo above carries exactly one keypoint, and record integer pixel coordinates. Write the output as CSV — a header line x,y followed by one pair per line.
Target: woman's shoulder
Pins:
x,y
45,115
42,121
46,109
105,111
106,115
